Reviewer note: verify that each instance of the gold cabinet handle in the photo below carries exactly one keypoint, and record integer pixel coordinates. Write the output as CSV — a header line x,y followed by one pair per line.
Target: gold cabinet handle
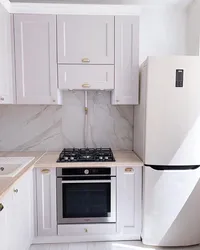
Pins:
x,y
86,85
45,171
1,207
16,190
129,170
85,60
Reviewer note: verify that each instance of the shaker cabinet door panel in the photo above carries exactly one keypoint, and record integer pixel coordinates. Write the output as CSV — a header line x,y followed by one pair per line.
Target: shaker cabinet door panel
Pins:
x,y
6,62
20,222
126,60
5,203
85,39
129,200
35,52
46,202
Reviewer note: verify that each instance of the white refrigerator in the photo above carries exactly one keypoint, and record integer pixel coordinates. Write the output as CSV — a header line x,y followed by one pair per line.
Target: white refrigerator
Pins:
x,y
167,139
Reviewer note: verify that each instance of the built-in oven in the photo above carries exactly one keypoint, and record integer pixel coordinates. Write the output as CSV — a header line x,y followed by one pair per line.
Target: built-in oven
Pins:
x,y
86,195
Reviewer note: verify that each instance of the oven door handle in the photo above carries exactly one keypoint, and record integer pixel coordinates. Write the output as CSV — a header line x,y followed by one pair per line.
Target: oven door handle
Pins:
x,y
87,181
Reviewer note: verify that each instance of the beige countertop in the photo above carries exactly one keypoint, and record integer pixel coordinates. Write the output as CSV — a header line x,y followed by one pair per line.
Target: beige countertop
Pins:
x,y
123,159
48,160
7,182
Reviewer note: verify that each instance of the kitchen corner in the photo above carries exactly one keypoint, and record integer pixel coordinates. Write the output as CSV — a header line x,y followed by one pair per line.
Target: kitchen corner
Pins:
x,y
48,160
38,186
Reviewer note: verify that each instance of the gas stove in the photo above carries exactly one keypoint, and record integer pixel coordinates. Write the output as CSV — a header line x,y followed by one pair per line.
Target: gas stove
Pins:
x,y
86,155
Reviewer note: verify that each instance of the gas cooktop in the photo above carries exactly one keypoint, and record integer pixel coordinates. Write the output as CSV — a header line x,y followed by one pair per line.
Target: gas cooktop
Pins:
x,y
86,155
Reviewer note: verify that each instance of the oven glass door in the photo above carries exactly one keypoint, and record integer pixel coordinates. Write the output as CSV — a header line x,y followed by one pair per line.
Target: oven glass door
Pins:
x,y
88,201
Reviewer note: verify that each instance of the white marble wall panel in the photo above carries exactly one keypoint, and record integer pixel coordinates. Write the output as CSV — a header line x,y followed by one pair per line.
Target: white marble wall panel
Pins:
x,y
40,127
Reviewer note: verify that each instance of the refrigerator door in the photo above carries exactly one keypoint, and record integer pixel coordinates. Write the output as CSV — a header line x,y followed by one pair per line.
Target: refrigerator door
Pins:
x,y
172,126
171,207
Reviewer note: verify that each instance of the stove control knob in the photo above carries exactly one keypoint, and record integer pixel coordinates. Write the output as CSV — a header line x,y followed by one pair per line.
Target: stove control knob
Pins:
x,y
106,157
100,157
72,158
86,171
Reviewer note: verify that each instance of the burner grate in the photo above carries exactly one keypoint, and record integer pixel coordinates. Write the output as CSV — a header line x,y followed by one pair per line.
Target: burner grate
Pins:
x,y
86,155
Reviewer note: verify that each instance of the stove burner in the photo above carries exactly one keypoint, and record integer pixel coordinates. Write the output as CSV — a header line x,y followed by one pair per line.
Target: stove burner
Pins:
x,y
86,155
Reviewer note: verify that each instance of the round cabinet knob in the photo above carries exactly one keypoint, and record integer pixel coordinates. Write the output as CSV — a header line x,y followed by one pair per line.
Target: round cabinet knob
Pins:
x,y
1,207
54,100
117,101
16,190
2,98
86,171
86,230
1,168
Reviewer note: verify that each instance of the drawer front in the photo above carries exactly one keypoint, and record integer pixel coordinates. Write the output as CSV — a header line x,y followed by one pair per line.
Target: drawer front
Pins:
x,y
86,229
88,77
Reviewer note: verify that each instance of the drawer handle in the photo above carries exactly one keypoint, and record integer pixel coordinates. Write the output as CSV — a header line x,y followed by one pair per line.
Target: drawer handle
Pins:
x,y
1,207
86,60
45,171
129,170
86,85
16,190
86,230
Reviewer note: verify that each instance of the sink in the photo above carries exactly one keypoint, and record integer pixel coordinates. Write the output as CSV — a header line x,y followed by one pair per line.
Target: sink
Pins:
x,y
11,166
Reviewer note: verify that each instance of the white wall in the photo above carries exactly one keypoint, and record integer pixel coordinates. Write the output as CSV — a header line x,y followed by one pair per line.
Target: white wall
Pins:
x,y
193,28
162,31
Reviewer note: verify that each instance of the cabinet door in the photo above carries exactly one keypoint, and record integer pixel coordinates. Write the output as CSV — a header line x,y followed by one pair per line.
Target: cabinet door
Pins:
x,y
46,202
129,199
85,39
126,60
35,51
6,77
4,236
83,77
21,212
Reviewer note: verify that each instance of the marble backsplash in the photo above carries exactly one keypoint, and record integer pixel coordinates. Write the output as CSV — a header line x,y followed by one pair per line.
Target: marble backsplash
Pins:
x,y
40,127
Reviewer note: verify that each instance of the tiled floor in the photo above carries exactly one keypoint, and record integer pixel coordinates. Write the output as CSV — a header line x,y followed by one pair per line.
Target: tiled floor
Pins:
x,y
125,245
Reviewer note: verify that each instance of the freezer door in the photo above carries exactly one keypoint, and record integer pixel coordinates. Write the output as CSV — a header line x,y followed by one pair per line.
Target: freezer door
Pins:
x,y
173,111
171,207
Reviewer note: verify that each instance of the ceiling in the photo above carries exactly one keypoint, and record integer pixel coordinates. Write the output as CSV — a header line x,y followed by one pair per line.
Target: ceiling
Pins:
x,y
123,2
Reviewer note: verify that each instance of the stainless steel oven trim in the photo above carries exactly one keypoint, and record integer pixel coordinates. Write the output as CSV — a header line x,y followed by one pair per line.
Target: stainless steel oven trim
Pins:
x,y
88,181
111,219
113,172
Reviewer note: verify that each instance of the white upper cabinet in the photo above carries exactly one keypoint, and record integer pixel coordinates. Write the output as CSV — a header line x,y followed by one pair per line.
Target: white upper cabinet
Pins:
x,y
85,39
35,52
6,63
126,60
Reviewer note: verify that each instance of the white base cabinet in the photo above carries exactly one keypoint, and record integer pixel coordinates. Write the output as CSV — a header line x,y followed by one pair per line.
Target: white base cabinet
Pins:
x,y
129,200
129,205
46,202
16,219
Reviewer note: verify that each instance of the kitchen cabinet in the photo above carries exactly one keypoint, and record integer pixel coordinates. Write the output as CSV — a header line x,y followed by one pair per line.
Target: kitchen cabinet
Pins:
x,y
46,202
83,77
16,218
4,204
85,39
126,61
129,197
35,58
20,214
6,63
